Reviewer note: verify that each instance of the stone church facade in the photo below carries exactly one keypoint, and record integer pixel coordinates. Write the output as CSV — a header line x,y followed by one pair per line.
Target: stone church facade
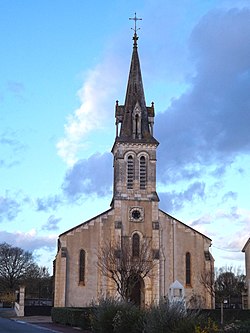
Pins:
x,y
180,253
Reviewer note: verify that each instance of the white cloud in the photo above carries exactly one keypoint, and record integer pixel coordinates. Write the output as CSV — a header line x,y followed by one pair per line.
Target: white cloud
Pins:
x,y
97,99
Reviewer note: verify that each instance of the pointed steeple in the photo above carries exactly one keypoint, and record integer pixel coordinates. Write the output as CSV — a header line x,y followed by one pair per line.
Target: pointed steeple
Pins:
x,y
135,117
135,91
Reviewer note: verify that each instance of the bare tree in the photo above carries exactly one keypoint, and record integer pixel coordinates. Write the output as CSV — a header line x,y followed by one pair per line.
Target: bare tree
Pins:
x,y
120,263
207,280
15,264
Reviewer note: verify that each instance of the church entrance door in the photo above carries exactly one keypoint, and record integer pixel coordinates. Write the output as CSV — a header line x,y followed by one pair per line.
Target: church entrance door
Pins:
x,y
137,294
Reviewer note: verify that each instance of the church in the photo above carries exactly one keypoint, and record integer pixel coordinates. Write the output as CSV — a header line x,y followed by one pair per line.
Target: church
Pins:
x,y
180,254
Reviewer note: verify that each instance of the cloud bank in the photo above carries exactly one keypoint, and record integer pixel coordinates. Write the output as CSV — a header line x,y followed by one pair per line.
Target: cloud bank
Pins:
x,y
89,176
29,240
210,122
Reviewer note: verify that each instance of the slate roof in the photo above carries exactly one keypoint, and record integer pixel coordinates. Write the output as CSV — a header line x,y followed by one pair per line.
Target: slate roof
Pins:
x,y
134,95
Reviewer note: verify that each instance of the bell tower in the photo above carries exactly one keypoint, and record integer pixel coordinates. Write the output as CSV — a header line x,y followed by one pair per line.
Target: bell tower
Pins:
x,y
134,149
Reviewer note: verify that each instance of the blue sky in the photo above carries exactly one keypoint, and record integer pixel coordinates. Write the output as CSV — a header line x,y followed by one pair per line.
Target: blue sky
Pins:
x,y
63,66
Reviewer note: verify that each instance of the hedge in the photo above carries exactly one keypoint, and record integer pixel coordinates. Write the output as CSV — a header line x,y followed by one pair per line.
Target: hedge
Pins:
x,y
74,317
229,315
81,317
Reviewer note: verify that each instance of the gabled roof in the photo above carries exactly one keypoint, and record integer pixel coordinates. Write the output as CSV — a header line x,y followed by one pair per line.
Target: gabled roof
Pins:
x,y
176,285
246,245
86,222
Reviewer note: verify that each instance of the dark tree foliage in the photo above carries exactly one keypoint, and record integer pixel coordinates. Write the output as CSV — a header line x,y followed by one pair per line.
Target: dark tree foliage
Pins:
x,y
228,285
38,283
15,264
17,267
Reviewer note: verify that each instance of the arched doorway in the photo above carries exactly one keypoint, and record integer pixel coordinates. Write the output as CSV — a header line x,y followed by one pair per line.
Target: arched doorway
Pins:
x,y
137,293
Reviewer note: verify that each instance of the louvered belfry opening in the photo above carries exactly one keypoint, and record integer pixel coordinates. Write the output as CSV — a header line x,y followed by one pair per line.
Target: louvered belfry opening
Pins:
x,y
143,173
130,173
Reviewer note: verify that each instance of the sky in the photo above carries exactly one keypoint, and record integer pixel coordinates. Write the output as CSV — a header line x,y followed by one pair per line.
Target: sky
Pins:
x,y
64,64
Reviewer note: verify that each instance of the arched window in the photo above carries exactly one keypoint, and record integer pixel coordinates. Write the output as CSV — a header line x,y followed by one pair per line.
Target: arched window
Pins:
x,y
136,125
135,245
130,172
143,173
188,268
82,258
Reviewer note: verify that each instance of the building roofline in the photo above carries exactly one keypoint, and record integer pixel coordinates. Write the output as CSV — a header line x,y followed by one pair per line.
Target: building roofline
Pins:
x,y
86,222
185,224
245,246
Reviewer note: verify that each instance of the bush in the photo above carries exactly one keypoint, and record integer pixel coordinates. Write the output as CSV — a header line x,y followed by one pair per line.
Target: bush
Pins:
x,y
112,315
115,316
170,317
206,326
128,319
75,317
238,327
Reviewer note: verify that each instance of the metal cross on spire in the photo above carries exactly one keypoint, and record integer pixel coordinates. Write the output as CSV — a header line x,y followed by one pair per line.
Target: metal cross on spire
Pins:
x,y
135,19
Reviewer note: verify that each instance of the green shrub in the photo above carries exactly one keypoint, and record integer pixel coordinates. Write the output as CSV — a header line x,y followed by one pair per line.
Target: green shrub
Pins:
x,y
103,315
112,315
75,317
128,319
170,317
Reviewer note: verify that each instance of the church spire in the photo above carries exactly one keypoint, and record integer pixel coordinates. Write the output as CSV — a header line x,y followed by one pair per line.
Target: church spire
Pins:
x,y
135,117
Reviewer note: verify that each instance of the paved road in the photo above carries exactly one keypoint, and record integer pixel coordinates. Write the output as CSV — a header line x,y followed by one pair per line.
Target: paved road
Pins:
x,y
12,326
9,323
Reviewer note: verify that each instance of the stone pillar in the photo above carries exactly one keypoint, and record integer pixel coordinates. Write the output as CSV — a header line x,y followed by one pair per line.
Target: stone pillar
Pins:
x,y
19,307
21,301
